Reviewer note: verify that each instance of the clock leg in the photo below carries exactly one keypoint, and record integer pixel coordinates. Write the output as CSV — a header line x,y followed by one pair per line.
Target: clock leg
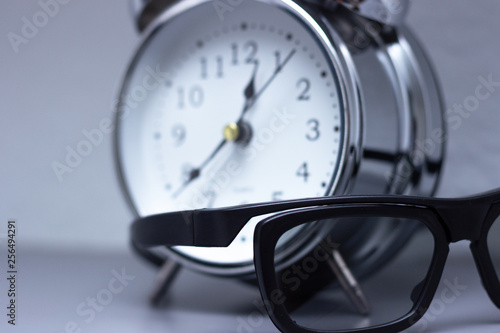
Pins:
x,y
166,275
330,271
348,282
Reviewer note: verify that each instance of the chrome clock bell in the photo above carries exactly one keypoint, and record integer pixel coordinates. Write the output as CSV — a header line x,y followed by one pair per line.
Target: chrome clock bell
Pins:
x,y
243,101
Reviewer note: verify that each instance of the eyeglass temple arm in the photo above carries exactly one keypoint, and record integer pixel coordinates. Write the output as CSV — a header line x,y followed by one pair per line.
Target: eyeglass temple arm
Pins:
x,y
215,227
206,227
218,227
189,228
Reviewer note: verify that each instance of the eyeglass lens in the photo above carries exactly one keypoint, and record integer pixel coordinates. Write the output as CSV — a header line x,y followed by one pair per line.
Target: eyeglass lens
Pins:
x,y
493,242
390,286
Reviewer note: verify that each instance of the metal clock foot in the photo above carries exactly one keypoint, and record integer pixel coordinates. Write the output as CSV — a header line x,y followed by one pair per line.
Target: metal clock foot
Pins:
x,y
165,277
348,282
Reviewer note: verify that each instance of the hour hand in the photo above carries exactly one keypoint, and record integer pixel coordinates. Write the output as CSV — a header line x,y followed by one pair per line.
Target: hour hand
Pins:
x,y
251,95
249,91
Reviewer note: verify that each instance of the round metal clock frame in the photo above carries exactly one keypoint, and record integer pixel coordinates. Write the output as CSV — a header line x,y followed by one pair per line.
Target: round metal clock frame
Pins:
x,y
393,140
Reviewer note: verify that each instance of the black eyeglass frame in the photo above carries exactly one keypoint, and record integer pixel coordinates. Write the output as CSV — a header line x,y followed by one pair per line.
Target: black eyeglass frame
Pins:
x,y
449,220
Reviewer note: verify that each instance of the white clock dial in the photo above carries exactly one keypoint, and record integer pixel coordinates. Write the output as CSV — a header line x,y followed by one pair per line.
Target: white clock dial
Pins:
x,y
248,109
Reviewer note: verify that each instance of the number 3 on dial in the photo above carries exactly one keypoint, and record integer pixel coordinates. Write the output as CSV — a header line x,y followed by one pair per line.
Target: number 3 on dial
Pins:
x,y
313,133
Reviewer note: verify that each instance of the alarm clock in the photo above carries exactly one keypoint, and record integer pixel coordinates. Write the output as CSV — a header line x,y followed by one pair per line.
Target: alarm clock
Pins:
x,y
229,102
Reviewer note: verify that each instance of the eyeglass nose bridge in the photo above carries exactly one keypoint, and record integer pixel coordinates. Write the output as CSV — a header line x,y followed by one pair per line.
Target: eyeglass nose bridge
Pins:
x,y
482,257
463,218
470,220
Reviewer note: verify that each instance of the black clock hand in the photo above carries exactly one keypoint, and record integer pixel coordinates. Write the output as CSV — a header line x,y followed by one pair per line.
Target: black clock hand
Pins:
x,y
249,91
195,173
250,98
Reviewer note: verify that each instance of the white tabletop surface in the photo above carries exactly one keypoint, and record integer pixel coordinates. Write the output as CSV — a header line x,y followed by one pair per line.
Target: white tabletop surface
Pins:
x,y
56,291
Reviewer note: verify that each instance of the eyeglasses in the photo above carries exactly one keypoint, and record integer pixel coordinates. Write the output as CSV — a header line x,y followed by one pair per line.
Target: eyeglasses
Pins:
x,y
301,289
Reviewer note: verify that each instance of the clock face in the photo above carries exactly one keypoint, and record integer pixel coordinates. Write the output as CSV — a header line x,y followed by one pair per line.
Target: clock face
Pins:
x,y
227,107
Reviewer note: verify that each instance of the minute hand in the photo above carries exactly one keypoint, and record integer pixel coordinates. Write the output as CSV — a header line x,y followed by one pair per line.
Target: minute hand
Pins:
x,y
251,101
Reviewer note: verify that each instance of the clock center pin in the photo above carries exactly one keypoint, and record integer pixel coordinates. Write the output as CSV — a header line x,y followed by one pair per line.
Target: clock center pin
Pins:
x,y
231,132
